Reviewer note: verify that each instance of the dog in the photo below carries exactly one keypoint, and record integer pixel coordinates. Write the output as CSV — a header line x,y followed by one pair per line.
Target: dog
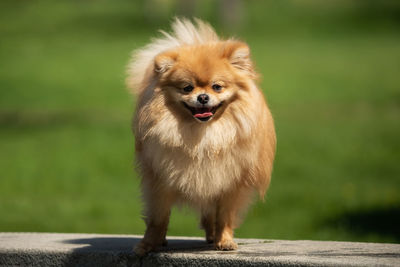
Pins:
x,y
204,135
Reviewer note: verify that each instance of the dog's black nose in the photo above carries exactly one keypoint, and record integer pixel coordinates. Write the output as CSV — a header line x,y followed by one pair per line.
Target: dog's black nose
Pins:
x,y
203,98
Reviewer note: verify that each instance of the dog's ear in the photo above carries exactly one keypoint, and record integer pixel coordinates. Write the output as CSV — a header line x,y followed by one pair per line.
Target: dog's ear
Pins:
x,y
238,54
164,61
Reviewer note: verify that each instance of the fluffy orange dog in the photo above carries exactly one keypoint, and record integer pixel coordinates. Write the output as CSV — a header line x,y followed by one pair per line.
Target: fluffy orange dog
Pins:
x,y
204,134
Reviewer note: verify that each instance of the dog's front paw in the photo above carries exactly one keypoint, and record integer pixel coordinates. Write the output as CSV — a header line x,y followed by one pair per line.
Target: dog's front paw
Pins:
x,y
210,239
226,244
143,248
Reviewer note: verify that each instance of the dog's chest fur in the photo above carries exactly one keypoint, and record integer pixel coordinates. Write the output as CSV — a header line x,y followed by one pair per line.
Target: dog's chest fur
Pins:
x,y
200,161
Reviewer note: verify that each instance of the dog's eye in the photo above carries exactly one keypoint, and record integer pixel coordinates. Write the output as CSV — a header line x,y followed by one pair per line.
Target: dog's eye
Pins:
x,y
216,87
188,88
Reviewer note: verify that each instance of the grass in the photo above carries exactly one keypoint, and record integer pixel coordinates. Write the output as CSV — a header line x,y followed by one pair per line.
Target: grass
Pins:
x,y
330,75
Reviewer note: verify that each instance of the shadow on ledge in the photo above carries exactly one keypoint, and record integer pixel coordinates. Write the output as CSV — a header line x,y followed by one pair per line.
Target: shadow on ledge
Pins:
x,y
123,246
126,244
117,251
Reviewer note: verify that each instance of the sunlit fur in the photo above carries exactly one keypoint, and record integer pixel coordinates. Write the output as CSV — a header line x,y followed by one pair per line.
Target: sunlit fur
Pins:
x,y
213,166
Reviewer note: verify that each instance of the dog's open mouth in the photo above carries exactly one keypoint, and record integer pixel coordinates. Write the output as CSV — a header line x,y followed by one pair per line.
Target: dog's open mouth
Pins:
x,y
202,113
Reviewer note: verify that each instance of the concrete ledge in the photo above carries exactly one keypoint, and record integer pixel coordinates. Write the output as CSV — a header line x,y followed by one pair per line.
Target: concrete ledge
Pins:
x,y
43,249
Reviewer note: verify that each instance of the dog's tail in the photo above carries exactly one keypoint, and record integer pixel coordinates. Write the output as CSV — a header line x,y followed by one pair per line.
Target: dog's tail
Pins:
x,y
184,32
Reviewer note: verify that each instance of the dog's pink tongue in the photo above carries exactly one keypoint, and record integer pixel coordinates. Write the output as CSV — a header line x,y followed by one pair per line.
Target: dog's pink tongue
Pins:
x,y
203,115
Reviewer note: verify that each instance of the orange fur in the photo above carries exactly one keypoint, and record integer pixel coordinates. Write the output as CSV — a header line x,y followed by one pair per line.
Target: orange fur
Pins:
x,y
213,166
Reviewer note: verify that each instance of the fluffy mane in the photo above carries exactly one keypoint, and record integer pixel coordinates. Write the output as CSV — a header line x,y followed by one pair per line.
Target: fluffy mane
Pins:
x,y
184,32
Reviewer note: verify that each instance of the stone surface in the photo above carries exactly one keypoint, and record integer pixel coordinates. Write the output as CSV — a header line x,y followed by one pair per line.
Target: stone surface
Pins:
x,y
44,249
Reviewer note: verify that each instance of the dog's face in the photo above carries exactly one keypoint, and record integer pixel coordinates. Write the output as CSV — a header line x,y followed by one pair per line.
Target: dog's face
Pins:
x,y
201,81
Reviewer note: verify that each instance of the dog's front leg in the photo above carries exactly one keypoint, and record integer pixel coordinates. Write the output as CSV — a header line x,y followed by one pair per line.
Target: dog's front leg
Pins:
x,y
224,231
157,211
225,219
208,223
229,208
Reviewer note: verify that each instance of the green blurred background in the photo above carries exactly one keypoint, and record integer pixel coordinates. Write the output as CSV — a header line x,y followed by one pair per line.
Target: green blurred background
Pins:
x,y
331,73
